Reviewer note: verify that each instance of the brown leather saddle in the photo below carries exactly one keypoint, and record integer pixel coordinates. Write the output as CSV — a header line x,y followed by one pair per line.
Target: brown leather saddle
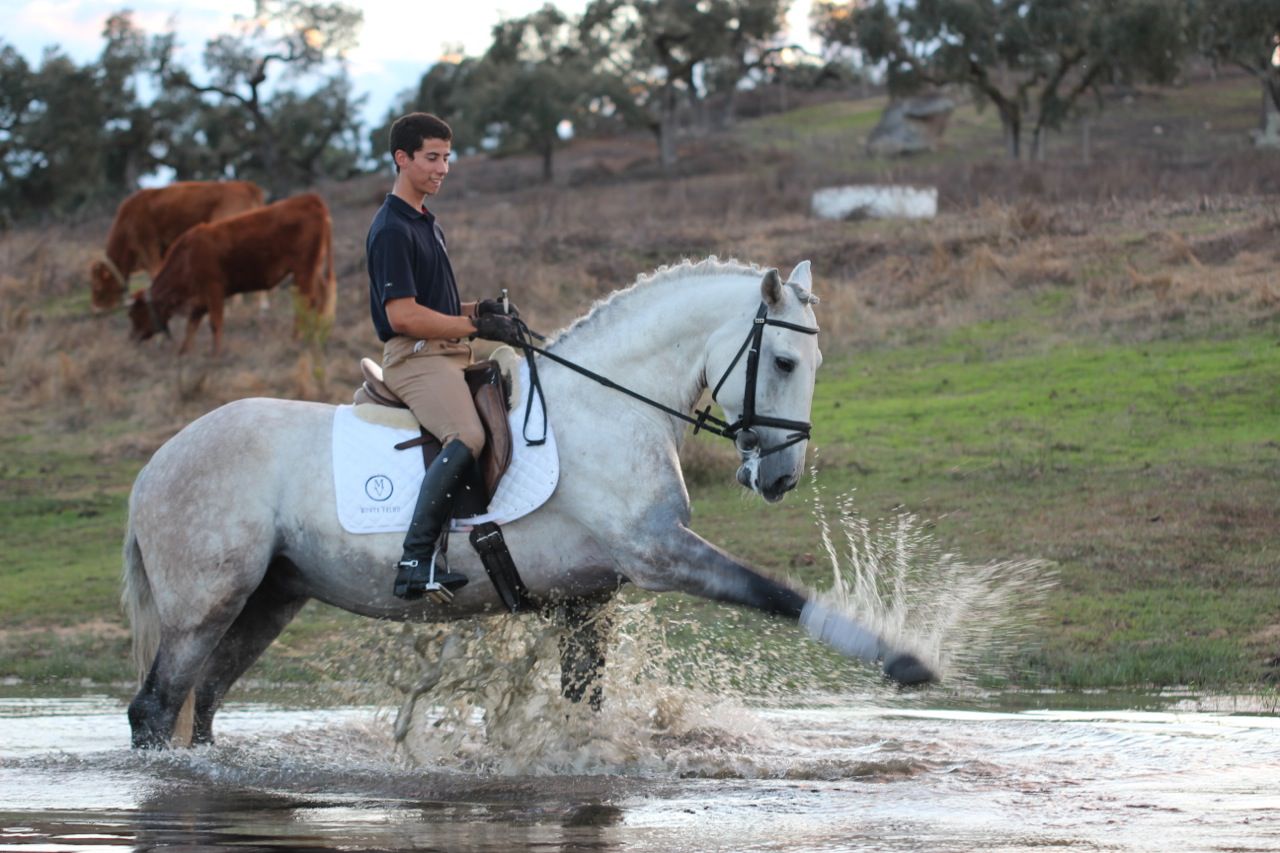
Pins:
x,y
489,390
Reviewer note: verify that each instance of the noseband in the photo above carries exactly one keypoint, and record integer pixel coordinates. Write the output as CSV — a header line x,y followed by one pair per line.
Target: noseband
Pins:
x,y
741,431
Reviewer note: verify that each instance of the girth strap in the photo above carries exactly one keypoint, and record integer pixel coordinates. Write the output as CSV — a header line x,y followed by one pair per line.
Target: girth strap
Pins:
x,y
489,543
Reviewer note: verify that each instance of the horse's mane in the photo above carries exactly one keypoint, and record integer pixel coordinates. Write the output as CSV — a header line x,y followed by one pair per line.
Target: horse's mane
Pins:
x,y
709,266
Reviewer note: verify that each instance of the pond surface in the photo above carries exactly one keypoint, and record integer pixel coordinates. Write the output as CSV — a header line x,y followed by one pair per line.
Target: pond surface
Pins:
x,y
837,775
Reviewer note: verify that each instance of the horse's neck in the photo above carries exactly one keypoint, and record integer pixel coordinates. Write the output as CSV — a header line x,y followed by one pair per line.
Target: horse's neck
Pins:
x,y
653,339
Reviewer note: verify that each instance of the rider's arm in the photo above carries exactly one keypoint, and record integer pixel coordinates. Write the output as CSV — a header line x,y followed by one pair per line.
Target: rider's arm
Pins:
x,y
409,318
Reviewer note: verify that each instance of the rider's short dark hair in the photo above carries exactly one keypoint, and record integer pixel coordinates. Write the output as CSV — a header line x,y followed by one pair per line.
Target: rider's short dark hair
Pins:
x,y
409,131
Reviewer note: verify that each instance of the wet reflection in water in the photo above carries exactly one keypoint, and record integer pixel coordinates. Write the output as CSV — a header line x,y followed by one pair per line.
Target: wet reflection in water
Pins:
x,y
842,777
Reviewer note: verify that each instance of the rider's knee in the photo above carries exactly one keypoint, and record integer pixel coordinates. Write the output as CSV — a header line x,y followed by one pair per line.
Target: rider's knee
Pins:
x,y
473,438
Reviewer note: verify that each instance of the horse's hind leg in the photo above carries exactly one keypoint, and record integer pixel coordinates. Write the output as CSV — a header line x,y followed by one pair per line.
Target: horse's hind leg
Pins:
x,y
181,605
269,609
586,623
154,710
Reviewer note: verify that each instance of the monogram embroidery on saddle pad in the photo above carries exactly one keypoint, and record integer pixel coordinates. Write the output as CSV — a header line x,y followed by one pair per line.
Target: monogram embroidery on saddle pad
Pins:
x,y
377,486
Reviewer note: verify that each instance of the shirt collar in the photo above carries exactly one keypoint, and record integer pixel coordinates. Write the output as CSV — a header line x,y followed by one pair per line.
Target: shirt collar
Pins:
x,y
405,209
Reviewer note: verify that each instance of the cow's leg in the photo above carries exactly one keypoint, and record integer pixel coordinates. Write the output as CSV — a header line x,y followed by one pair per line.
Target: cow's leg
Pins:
x,y
307,283
193,323
216,310
586,625
264,616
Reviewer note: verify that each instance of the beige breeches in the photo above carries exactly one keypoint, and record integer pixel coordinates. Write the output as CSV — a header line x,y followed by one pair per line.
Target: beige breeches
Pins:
x,y
430,381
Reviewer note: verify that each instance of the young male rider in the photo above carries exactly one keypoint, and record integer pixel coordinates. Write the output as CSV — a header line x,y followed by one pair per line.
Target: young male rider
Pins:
x,y
425,329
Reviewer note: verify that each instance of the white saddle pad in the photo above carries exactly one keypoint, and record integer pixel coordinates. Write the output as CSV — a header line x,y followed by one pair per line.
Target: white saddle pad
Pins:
x,y
377,485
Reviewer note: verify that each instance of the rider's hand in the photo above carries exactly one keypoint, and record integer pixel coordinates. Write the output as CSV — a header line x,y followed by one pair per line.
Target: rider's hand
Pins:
x,y
494,306
498,327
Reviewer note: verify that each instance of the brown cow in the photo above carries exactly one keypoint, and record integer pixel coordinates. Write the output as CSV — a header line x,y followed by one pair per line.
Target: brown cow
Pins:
x,y
148,222
253,251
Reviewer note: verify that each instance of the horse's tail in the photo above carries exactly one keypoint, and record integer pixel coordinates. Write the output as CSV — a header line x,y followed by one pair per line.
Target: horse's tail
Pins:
x,y
144,622
139,606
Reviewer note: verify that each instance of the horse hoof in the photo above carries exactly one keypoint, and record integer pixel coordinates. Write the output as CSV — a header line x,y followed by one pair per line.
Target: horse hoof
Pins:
x,y
908,670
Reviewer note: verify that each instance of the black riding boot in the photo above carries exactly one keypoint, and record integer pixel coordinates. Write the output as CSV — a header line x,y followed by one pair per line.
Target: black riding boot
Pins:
x,y
423,569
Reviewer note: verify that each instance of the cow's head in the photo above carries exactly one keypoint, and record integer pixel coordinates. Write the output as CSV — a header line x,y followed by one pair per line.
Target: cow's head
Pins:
x,y
144,317
106,285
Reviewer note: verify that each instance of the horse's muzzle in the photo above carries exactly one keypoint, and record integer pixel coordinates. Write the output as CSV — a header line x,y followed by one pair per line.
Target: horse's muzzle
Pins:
x,y
776,490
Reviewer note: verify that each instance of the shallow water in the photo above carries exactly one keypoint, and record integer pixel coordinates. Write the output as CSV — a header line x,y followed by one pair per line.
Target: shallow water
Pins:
x,y
852,774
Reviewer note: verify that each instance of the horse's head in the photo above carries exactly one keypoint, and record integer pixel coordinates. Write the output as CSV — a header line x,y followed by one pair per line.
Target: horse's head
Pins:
x,y
770,402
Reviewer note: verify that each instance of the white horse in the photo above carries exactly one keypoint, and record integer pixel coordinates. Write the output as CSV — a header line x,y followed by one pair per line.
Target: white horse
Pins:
x,y
233,528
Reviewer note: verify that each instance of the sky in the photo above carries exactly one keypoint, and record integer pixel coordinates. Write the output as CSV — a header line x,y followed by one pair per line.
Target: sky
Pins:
x,y
399,40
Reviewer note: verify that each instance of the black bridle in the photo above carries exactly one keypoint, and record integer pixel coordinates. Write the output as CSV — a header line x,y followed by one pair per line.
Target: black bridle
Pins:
x,y
741,431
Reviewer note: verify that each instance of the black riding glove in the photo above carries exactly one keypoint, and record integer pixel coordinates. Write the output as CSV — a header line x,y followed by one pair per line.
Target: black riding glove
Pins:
x,y
498,327
494,306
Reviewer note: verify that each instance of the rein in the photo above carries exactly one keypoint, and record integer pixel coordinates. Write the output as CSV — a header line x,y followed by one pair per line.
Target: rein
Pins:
x,y
741,431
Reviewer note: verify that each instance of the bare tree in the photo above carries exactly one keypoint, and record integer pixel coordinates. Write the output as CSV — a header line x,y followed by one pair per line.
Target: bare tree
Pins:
x,y
1033,60
296,39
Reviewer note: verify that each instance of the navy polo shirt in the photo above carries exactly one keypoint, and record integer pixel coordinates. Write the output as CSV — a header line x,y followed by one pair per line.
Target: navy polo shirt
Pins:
x,y
406,256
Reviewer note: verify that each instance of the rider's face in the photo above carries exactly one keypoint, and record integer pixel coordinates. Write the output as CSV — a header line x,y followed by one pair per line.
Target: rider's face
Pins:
x,y
425,171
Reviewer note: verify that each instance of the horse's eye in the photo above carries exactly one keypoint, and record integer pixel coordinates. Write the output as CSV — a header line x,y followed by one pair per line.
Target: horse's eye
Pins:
x,y
786,365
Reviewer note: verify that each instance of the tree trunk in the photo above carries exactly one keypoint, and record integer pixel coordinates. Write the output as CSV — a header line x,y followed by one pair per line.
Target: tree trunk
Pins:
x,y
548,151
1012,124
667,122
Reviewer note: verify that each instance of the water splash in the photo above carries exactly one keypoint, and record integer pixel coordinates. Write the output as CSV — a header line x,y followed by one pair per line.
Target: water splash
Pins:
x,y
495,704
969,621
685,681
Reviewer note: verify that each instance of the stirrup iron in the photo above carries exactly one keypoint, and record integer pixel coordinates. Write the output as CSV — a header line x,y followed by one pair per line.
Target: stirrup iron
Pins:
x,y
434,589
409,587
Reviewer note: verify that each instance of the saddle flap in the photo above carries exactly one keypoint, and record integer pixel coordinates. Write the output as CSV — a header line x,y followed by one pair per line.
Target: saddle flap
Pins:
x,y
489,393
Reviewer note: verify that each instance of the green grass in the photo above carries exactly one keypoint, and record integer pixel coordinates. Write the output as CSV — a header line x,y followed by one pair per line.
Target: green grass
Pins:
x,y
1148,475
965,407
62,521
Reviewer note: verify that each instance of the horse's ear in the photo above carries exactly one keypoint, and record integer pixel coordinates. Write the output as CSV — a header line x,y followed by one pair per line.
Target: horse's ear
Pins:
x,y
801,277
771,287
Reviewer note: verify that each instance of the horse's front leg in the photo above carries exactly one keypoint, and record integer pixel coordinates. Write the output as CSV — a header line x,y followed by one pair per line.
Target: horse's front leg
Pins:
x,y
681,560
586,625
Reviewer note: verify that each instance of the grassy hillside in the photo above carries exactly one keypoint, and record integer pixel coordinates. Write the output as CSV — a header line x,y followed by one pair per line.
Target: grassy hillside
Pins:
x,y
1075,362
